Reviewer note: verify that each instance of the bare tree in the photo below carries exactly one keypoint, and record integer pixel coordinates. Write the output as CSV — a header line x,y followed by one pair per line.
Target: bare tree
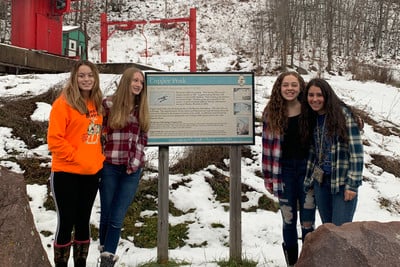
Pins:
x,y
283,30
330,17
5,21
294,29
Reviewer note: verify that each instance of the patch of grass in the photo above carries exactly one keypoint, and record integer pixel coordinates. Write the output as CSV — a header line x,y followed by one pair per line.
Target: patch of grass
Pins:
x,y
196,158
183,182
177,235
217,225
266,203
144,229
46,233
49,203
35,173
384,202
203,244
220,186
94,232
236,263
259,173
247,152
389,205
170,263
145,235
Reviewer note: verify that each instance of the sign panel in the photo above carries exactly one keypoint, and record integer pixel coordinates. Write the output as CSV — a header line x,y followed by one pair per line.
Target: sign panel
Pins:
x,y
201,108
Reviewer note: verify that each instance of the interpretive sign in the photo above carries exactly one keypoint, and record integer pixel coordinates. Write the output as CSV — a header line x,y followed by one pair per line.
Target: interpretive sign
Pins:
x,y
201,108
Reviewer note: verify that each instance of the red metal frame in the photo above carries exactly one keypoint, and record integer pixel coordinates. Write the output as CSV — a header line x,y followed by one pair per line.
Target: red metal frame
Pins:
x,y
126,25
186,32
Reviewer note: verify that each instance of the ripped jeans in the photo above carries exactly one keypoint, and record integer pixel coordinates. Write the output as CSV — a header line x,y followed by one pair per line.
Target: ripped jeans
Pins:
x,y
295,199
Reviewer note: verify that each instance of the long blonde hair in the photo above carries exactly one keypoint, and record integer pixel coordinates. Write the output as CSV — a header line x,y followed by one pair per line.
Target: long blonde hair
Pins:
x,y
124,102
72,92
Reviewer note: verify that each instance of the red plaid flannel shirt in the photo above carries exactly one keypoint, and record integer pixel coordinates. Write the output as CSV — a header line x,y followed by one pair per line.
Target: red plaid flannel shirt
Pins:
x,y
124,146
271,166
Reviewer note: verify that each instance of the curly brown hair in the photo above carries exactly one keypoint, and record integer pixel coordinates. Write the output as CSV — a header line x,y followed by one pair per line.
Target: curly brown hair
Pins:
x,y
275,112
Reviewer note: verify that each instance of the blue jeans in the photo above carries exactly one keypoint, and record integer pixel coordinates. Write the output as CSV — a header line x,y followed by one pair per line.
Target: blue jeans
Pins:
x,y
117,190
331,207
293,197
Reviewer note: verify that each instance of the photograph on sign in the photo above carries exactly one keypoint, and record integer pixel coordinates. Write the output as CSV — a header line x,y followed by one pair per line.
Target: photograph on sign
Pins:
x,y
200,108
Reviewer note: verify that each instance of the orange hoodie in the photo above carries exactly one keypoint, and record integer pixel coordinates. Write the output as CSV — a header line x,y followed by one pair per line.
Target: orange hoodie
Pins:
x,y
74,139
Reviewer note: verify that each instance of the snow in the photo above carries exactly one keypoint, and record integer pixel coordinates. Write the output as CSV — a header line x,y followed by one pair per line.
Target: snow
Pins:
x,y
261,230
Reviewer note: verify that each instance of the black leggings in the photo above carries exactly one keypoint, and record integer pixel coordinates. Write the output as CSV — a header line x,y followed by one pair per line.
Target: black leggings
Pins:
x,y
74,195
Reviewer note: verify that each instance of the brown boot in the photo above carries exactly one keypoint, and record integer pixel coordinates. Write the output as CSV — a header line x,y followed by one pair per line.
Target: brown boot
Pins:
x,y
81,249
61,254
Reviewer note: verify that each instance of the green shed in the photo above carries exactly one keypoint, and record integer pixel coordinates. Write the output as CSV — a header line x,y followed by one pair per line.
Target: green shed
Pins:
x,y
74,43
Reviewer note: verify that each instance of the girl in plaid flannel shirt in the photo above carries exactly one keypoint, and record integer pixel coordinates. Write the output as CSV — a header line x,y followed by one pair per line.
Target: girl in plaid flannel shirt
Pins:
x,y
125,127
284,160
337,152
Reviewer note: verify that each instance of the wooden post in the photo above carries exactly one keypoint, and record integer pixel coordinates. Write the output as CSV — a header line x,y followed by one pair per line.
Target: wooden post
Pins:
x,y
163,199
235,202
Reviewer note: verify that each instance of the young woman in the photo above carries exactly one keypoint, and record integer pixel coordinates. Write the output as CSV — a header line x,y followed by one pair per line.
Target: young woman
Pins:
x,y
336,160
284,160
74,140
125,127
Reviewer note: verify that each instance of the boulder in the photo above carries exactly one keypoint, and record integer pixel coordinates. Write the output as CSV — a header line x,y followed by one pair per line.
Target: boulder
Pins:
x,y
301,71
20,243
367,243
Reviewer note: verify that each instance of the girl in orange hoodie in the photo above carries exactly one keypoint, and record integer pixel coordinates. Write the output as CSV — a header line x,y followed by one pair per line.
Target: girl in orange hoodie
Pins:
x,y
74,140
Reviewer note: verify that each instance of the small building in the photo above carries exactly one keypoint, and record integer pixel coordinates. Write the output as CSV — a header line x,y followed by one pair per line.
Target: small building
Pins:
x,y
74,42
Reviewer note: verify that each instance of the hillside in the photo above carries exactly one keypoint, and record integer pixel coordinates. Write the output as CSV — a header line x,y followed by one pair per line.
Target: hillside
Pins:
x,y
247,34
219,33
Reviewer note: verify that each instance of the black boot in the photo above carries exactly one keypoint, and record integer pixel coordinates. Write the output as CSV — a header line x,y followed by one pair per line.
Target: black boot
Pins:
x,y
291,254
61,254
81,249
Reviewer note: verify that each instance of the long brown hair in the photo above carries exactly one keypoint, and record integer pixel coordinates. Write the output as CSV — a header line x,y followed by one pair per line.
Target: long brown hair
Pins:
x,y
72,92
275,112
124,102
333,105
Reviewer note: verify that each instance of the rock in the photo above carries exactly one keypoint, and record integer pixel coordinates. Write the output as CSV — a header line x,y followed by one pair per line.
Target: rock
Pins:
x,y
19,240
368,243
301,71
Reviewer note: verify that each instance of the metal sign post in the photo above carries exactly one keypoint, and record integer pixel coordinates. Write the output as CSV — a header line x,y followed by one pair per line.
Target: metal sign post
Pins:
x,y
162,226
235,204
